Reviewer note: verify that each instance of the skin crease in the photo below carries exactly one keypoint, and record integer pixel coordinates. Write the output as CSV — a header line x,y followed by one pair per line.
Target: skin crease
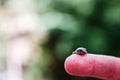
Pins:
x,y
99,66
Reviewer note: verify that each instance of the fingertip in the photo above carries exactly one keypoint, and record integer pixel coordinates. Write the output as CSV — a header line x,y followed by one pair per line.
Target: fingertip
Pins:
x,y
76,65
91,65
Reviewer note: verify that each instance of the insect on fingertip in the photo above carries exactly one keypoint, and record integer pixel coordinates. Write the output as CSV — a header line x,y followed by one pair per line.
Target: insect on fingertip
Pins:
x,y
80,51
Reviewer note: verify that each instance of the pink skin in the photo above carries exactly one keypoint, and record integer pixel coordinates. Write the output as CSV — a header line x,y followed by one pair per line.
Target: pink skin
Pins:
x,y
99,66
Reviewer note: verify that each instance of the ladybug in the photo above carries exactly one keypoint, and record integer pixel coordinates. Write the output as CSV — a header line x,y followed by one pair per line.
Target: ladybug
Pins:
x,y
80,51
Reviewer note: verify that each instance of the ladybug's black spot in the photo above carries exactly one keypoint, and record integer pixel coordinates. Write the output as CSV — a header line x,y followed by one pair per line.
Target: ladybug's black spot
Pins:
x,y
80,50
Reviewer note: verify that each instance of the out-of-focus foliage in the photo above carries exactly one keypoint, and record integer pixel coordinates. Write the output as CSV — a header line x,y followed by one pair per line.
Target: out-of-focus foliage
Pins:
x,y
94,24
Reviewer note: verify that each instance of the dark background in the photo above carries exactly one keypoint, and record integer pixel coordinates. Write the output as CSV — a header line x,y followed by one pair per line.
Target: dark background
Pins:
x,y
93,24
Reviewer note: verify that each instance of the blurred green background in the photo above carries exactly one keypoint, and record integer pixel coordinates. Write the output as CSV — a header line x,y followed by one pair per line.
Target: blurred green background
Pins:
x,y
93,24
